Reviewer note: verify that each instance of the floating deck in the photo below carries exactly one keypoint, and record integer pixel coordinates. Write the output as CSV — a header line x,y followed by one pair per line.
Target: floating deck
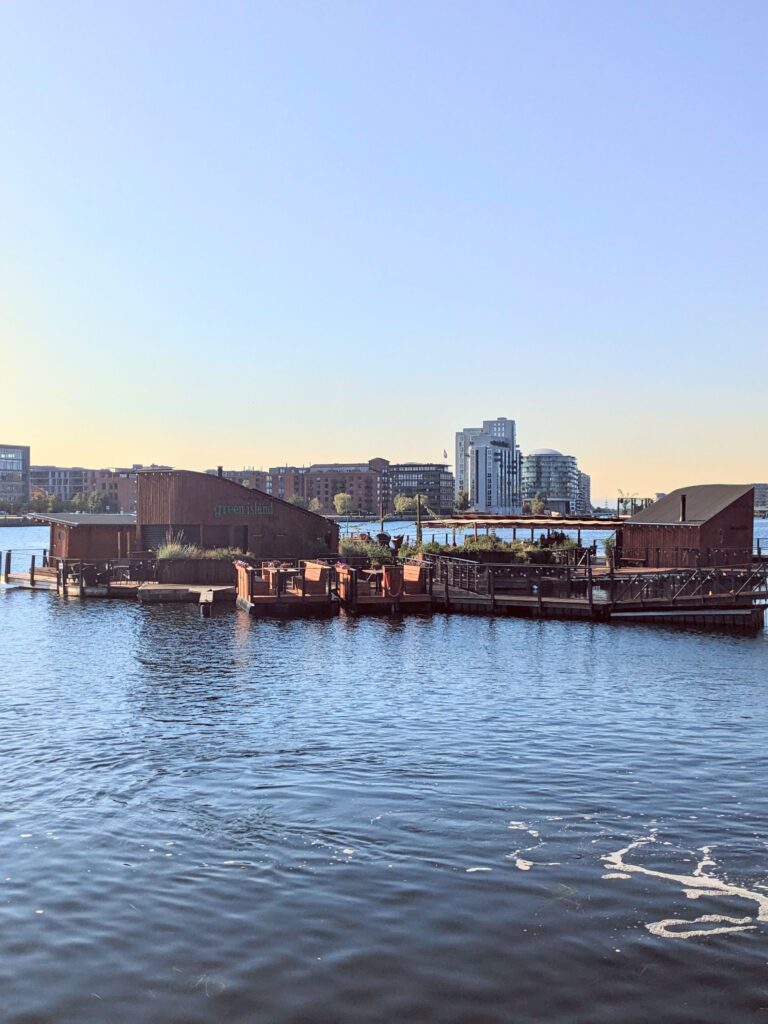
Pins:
x,y
721,598
288,606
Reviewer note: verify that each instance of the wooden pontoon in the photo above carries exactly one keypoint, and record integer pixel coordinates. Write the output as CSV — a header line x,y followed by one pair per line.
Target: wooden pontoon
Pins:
x,y
280,590
390,590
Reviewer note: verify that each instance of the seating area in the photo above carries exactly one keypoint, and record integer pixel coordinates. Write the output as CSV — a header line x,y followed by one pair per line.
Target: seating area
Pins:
x,y
414,579
313,580
313,586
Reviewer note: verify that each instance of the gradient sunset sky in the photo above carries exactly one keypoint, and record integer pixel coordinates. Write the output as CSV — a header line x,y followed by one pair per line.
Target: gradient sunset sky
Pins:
x,y
259,233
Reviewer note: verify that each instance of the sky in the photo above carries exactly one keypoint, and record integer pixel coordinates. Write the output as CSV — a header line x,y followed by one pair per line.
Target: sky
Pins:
x,y
254,234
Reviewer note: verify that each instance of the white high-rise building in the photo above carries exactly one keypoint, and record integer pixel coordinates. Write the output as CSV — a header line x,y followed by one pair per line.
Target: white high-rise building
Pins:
x,y
489,466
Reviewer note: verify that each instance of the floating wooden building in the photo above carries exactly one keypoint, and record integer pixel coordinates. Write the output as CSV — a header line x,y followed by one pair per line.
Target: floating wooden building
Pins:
x,y
213,512
693,527
89,536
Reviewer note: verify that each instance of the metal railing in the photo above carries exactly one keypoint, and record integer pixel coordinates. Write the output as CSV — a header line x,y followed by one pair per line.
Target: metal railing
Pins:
x,y
78,574
677,586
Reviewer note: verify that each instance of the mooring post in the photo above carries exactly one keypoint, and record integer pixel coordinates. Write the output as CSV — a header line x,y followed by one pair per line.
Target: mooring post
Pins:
x,y
492,589
32,572
589,591
7,567
81,586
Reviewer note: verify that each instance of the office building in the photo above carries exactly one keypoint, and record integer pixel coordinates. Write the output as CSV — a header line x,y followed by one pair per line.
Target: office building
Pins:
x,y
431,479
14,476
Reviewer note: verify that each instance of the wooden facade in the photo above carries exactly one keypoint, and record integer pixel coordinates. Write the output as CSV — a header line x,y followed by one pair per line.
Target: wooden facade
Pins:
x,y
695,527
91,537
214,512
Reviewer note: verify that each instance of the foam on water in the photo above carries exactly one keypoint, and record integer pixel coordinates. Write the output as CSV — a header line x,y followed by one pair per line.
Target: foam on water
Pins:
x,y
694,886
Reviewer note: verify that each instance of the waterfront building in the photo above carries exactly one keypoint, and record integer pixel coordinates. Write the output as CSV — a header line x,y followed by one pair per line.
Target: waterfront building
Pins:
x,y
431,479
491,477
85,535
258,479
62,482
461,467
584,502
489,466
361,480
213,512
116,486
761,499
14,475
286,482
692,527
553,476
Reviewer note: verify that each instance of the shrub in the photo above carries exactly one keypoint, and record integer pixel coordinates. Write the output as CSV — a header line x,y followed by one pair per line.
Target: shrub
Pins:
x,y
175,547
354,547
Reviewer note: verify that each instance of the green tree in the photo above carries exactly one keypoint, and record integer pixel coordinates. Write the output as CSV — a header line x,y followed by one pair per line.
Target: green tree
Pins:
x,y
96,502
402,504
342,502
296,499
461,504
315,505
537,504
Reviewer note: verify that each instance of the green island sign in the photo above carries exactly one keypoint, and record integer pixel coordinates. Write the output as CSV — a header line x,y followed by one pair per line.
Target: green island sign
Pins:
x,y
249,509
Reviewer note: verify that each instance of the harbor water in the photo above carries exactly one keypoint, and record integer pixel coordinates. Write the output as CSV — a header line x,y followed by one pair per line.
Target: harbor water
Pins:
x,y
450,819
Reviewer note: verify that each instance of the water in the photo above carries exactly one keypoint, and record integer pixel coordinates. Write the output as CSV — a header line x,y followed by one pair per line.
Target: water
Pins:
x,y
234,821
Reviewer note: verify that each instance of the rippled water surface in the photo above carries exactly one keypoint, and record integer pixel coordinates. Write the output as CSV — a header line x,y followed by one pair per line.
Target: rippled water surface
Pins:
x,y
441,820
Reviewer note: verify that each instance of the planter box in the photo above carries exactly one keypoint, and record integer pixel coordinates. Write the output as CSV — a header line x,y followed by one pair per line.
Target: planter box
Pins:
x,y
214,571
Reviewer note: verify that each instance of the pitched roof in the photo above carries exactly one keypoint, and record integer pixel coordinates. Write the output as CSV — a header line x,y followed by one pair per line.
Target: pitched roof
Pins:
x,y
87,518
702,502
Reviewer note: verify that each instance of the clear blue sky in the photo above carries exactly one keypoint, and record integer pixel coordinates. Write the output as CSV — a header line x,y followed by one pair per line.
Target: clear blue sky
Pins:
x,y
258,233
